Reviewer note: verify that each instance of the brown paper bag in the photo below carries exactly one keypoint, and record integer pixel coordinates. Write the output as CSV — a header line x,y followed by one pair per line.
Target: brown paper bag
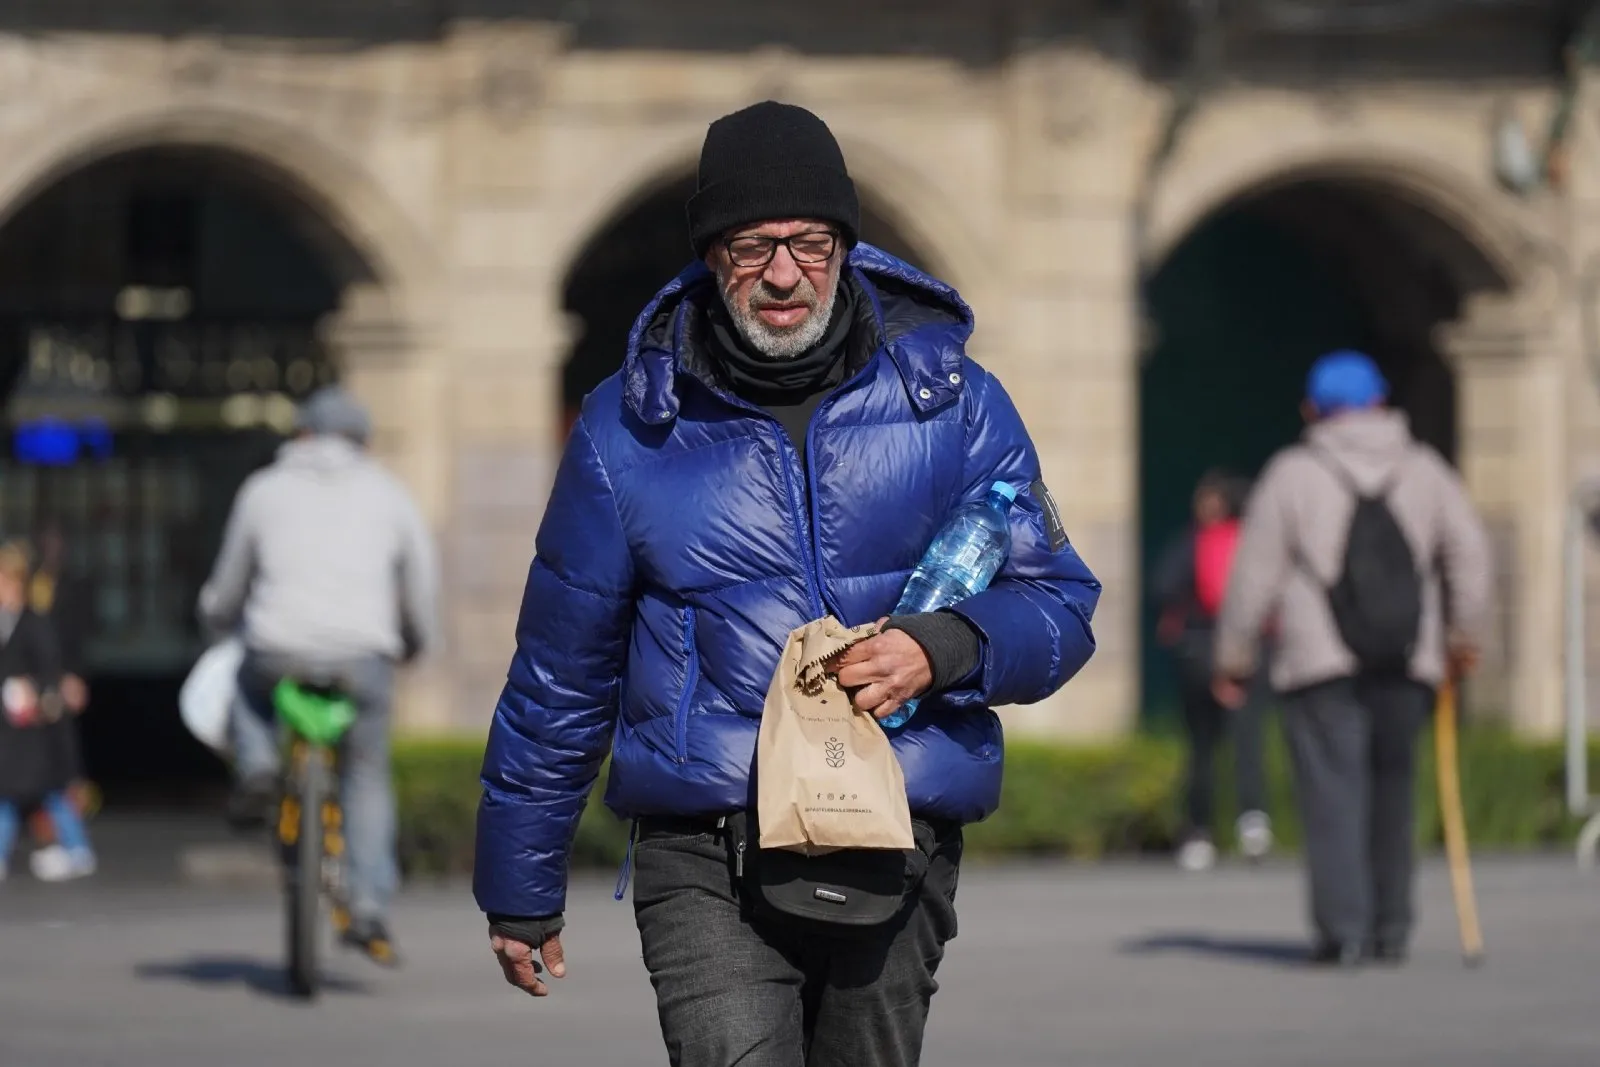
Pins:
x,y
826,776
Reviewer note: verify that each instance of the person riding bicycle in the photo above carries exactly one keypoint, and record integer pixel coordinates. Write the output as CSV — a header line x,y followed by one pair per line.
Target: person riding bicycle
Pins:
x,y
328,572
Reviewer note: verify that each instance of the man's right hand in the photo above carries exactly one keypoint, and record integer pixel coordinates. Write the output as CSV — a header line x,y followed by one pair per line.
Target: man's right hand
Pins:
x,y
1463,658
520,967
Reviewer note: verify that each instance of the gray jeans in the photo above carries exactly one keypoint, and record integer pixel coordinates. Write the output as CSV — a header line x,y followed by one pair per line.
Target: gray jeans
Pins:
x,y
367,793
1354,748
735,988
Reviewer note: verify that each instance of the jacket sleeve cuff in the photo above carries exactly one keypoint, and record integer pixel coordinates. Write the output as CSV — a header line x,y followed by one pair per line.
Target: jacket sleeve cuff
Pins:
x,y
1021,653
530,931
952,646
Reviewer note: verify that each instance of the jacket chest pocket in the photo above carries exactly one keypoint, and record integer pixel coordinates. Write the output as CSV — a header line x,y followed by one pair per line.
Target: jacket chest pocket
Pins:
x,y
882,493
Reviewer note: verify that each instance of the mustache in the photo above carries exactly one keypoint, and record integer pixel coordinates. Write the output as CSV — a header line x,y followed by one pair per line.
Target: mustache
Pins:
x,y
763,294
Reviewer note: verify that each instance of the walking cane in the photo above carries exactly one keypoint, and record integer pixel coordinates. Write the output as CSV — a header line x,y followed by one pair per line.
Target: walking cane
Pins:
x,y
1455,826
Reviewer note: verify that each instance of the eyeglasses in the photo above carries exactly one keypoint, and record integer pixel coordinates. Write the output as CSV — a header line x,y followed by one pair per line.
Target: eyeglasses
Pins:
x,y
814,246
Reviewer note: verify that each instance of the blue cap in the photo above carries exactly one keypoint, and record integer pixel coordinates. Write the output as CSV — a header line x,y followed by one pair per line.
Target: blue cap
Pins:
x,y
1345,379
1005,490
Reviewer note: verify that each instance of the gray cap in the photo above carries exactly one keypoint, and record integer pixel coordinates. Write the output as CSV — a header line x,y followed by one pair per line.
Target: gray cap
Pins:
x,y
332,410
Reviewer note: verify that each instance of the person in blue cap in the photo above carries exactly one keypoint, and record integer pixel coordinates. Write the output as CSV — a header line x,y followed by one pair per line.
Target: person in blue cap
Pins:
x,y
1361,543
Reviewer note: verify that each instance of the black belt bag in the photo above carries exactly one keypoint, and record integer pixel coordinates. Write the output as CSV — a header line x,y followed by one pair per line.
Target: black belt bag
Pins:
x,y
852,889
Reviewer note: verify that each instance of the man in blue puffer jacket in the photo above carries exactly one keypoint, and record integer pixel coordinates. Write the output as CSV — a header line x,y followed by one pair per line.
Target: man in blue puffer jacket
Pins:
x,y
795,418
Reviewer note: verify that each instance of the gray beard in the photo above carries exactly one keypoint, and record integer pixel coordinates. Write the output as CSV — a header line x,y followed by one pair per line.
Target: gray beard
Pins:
x,y
782,344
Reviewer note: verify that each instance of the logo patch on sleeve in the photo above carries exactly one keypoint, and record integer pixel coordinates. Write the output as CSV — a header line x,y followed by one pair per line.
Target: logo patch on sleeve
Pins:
x,y
1054,530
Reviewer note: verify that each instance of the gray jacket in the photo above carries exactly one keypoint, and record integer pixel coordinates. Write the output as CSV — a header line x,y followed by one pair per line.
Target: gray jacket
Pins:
x,y
1292,548
325,558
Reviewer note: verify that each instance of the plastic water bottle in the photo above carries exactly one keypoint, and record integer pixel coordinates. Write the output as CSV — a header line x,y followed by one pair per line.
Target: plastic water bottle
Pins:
x,y
965,555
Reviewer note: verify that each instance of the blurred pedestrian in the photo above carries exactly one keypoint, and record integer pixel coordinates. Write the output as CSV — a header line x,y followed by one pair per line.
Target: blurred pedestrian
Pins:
x,y
1188,584
795,417
62,600
328,571
57,594
35,769
1365,543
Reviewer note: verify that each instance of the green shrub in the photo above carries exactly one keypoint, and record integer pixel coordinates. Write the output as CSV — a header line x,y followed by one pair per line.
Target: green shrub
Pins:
x,y
1513,792
436,790
1057,800
1082,801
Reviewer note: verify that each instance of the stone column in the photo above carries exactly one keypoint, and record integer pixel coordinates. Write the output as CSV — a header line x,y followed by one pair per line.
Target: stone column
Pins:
x,y
389,361
1067,350
507,337
1074,380
1583,449
506,449
1512,433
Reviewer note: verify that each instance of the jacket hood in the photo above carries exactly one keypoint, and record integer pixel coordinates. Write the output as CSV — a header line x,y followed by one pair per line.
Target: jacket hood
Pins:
x,y
923,322
321,455
1367,444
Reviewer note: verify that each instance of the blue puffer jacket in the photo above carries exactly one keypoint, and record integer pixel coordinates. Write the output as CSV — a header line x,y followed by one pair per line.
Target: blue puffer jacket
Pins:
x,y
684,540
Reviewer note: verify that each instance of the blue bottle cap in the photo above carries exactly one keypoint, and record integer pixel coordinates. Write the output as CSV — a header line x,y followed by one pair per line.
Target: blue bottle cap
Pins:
x,y
1005,490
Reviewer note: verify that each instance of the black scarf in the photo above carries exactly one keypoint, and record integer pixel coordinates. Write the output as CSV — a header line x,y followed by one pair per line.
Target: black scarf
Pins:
x,y
763,380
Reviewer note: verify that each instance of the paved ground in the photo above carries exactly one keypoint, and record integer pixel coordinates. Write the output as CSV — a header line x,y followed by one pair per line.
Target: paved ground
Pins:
x,y
1055,967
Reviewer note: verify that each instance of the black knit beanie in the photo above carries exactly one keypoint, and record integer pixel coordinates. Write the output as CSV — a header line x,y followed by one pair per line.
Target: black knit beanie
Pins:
x,y
770,161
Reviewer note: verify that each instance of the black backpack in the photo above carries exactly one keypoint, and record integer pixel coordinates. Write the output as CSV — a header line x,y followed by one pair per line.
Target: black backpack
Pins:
x,y
1377,598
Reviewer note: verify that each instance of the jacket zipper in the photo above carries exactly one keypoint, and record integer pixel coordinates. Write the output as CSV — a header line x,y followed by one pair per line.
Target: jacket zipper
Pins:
x,y
811,498
811,503
805,526
811,478
626,871
804,530
691,677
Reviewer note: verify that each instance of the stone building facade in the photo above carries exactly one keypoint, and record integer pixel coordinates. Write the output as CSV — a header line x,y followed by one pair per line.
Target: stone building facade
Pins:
x,y
451,171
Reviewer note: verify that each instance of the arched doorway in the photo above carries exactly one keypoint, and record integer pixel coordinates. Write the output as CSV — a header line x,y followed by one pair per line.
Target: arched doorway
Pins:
x,y
628,259
159,317
1242,306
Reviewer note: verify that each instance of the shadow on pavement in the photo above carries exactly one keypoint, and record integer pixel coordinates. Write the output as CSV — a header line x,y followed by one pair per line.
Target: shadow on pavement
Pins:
x,y
259,977
1277,952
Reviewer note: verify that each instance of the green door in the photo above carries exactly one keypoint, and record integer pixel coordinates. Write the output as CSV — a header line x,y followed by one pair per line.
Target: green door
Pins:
x,y
1241,309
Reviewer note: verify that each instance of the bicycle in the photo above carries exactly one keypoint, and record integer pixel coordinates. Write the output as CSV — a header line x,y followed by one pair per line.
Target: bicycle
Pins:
x,y
310,827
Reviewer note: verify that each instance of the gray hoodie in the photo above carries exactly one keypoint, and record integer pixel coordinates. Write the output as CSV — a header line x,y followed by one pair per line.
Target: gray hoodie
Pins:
x,y
325,558
1292,548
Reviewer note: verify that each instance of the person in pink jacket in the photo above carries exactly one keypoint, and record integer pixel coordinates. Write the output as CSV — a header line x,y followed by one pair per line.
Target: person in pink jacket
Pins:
x,y
1361,543
1188,584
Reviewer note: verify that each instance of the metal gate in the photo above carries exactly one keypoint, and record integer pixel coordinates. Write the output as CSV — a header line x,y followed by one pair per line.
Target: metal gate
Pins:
x,y
131,436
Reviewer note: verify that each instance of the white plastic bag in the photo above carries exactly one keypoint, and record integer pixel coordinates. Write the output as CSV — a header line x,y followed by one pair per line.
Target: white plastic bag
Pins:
x,y
206,699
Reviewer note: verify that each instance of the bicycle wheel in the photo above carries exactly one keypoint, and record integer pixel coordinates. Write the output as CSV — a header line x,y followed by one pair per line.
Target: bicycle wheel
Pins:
x,y
304,896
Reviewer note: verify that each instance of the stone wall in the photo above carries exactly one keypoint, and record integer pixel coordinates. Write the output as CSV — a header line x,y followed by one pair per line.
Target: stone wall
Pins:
x,y
470,169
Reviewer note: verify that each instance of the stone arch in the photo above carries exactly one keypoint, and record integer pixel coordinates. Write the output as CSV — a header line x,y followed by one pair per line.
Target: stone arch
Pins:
x,y
391,304
307,196
898,192
1200,189
358,218
891,189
